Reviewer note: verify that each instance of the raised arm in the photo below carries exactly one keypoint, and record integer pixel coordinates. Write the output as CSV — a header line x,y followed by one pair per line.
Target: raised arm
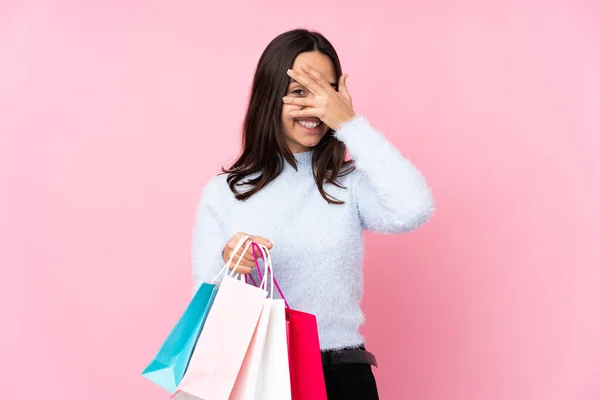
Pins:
x,y
391,193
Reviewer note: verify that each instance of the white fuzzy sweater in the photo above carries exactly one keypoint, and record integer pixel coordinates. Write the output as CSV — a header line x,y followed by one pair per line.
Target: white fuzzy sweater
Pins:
x,y
317,247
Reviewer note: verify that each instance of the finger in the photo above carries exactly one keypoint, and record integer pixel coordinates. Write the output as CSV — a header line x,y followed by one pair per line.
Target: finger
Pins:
x,y
243,263
248,257
306,81
261,240
317,77
234,241
247,263
236,238
342,84
307,112
242,247
228,252
258,252
243,270
299,101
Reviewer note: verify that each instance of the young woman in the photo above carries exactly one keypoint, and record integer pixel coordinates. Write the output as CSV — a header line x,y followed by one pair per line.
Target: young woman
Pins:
x,y
293,189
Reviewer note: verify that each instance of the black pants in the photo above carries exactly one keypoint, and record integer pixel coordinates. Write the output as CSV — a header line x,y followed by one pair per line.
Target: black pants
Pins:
x,y
350,381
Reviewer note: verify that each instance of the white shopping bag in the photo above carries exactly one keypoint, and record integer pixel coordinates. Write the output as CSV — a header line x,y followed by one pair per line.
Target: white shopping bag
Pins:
x,y
265,372
274,373
245,384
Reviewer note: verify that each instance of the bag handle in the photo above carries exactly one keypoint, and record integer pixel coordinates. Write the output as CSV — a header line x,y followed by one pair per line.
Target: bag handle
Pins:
x,y
268,266
233,273
237,247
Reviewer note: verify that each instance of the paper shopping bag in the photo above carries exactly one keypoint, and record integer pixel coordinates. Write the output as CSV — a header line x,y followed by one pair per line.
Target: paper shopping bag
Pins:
x,y
170,362
274,373
224,341
265,372
245,384
304,352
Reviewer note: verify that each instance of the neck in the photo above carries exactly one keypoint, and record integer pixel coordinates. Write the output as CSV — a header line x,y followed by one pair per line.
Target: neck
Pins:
x,y
304,160
304,157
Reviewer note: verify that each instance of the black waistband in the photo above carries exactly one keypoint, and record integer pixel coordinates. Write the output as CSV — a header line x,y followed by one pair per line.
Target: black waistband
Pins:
x,y
350,355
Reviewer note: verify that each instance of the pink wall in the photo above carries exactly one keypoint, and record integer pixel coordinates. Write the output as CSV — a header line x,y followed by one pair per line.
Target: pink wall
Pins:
x,y
113,116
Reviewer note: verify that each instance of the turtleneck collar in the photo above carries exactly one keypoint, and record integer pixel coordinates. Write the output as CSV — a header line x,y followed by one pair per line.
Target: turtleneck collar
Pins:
x,y
304,159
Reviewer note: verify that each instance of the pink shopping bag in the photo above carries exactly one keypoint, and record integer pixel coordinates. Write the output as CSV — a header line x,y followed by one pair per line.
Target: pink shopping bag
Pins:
x,y
252,369
304,352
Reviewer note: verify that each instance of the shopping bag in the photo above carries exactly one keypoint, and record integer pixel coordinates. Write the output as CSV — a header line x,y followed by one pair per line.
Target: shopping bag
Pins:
x,y
304,352
224,341
305,365
246,382
273,382
274,374
171,361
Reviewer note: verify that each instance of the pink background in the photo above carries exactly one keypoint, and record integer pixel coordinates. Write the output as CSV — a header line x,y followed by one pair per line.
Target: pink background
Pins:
x,y
114,115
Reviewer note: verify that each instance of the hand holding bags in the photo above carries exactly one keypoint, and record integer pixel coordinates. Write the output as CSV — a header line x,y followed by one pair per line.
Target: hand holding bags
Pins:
x,y
222,346
251,346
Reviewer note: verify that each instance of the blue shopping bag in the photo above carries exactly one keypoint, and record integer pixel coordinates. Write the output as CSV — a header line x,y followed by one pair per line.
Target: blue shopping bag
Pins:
x,y
170,363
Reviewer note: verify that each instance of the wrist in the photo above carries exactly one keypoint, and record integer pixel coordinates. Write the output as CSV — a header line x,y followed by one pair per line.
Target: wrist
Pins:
x,y
349,117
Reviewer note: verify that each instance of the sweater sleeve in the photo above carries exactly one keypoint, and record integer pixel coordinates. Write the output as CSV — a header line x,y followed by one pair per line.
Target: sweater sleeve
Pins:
x,y
208,239
392,195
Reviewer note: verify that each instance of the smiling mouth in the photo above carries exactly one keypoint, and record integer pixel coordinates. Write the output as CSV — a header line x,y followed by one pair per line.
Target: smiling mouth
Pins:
x,y
309,124
310,128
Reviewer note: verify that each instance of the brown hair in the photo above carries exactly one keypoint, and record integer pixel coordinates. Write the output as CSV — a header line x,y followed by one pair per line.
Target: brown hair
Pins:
x,y
263,141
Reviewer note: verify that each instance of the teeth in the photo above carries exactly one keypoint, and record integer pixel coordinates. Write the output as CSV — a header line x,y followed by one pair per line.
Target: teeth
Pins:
x,y
309,124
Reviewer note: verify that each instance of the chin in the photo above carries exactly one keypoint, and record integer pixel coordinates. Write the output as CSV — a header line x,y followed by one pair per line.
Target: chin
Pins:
x,y
311,143
306,140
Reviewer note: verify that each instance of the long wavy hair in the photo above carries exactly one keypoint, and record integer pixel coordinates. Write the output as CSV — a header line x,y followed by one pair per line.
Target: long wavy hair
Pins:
x,y
263,141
